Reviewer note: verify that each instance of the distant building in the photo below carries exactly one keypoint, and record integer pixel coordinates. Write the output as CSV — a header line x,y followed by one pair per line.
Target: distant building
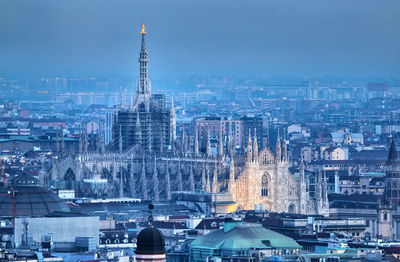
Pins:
x,y
255,241
218,127
255,125
336,153
377,90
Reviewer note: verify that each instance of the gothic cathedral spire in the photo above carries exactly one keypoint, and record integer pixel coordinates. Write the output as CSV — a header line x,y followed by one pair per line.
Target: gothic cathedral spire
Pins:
x,y
144,87
249,149
278,148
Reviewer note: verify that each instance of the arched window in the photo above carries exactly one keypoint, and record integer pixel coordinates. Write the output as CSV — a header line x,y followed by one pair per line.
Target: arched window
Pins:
x,y
264,186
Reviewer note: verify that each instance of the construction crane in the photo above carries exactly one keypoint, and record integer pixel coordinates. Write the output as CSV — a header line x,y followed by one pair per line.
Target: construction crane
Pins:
x,y
10,193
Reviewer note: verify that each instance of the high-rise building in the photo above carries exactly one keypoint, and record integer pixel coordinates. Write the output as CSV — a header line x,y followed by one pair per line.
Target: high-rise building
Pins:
x,y
253,124
217,127
144,122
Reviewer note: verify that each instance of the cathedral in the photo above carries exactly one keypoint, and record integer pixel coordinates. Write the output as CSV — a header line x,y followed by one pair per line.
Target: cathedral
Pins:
x,y
145,123
266,183
145,160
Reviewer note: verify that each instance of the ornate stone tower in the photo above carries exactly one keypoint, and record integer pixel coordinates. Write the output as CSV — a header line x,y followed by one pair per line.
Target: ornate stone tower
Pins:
x,y
146,122
144,87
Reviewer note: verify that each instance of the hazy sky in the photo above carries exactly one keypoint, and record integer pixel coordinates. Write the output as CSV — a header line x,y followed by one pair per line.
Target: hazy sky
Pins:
x,y
245,38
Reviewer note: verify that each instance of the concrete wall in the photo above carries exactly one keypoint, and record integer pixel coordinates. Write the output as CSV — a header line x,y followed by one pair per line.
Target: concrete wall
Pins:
x,y
63,229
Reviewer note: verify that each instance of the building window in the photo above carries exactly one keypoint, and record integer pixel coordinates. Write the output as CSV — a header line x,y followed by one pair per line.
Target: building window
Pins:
x,y
264,186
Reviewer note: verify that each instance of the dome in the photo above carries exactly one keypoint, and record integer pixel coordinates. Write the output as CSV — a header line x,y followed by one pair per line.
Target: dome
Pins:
x,y
239,236
31,199
150,241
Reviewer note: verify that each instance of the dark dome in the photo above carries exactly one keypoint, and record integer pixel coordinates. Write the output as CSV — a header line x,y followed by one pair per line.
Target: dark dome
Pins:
x,y
150,241
31,199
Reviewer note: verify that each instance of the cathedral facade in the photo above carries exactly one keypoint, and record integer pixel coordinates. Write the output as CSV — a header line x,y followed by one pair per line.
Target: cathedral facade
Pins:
x,y
266,183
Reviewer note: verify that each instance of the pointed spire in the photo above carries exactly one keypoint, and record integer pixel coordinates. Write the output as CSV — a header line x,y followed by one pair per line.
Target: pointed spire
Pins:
x,y
120,139
149,138
132,181
203,178
220,143
392,156
168,182
80,148
179,178
319,190
301,171
215,186
191,178
114,173
85,141
143,181
183,141
249,149
155,182
208,145
162,142
231,182
121,184
208,186
131,102
255,147
196,143
278,148
144,86
284,147
233,146
122,97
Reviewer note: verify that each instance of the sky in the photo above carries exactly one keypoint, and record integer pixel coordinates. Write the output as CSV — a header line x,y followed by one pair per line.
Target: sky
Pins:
x,y
256,38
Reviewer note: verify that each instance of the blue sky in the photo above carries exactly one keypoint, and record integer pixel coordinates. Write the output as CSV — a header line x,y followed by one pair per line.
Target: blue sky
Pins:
x,y
263,38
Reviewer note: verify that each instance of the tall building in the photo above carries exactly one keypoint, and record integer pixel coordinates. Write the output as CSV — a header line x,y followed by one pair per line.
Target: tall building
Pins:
x,y
144,122
255,124
217,127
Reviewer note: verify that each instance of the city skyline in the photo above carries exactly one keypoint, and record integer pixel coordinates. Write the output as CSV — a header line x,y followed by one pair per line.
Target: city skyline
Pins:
x,y
256,39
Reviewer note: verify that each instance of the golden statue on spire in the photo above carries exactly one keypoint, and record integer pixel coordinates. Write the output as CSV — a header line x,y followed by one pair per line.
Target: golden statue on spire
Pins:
x,y
143,30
